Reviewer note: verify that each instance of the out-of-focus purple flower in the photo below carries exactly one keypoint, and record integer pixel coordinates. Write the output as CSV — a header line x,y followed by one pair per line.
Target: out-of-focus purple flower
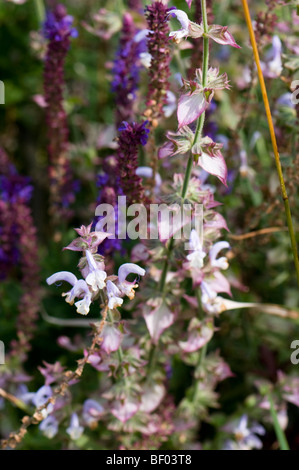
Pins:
x,y
92,412
51,372
159,50
49,427
272,65
41,397
75,430
126,70
246,438
58,25
131,136
58,30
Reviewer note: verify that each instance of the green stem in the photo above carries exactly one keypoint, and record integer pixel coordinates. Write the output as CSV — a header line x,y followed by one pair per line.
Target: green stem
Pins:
x,y
283,443
40,10
198,132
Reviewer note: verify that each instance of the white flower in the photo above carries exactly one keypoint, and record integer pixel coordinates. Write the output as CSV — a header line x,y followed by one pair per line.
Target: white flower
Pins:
x,y
113,294
182,33
220,263
96,277
197,256
127,288
80,289
84,304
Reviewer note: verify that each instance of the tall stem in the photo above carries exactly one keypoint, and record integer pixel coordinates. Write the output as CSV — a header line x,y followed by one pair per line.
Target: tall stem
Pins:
x,y
273,138
283,443
197,135
40,10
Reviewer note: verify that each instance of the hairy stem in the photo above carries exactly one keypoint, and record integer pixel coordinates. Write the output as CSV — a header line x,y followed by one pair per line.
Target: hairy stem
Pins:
x,y
198,132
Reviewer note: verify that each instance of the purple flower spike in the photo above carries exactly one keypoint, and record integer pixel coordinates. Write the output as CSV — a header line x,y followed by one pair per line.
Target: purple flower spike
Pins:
x,y
58,25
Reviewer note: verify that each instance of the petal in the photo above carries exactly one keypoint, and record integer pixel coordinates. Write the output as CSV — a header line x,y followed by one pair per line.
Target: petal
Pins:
x,y
219,283
112,338
166,150
158,320
215,165
128,268
197,339
125,411
182,17
62,276
216,248
190,107
195,241
91,262
152,395
221,35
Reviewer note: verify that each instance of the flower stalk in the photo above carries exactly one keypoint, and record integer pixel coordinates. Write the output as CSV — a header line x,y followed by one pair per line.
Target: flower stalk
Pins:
x,y
198,132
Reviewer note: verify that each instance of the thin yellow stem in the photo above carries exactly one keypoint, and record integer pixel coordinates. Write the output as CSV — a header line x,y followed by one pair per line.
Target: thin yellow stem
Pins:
x,y
273,137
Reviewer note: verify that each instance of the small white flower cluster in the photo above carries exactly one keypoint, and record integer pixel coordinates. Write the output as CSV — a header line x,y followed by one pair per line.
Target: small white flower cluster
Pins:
x,y
210,278
96,280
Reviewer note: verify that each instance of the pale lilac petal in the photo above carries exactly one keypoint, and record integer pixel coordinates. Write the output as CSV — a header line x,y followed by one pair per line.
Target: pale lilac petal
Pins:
x,y
92,411
62,276
194,241
189,3
219,283
197,339
112,338
157,320
190,107
125,411
182,17
221,35
220,263
75,430
166,150
152,395
215,165
49,427
217,222
141,35
91,261
128,268
113,294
